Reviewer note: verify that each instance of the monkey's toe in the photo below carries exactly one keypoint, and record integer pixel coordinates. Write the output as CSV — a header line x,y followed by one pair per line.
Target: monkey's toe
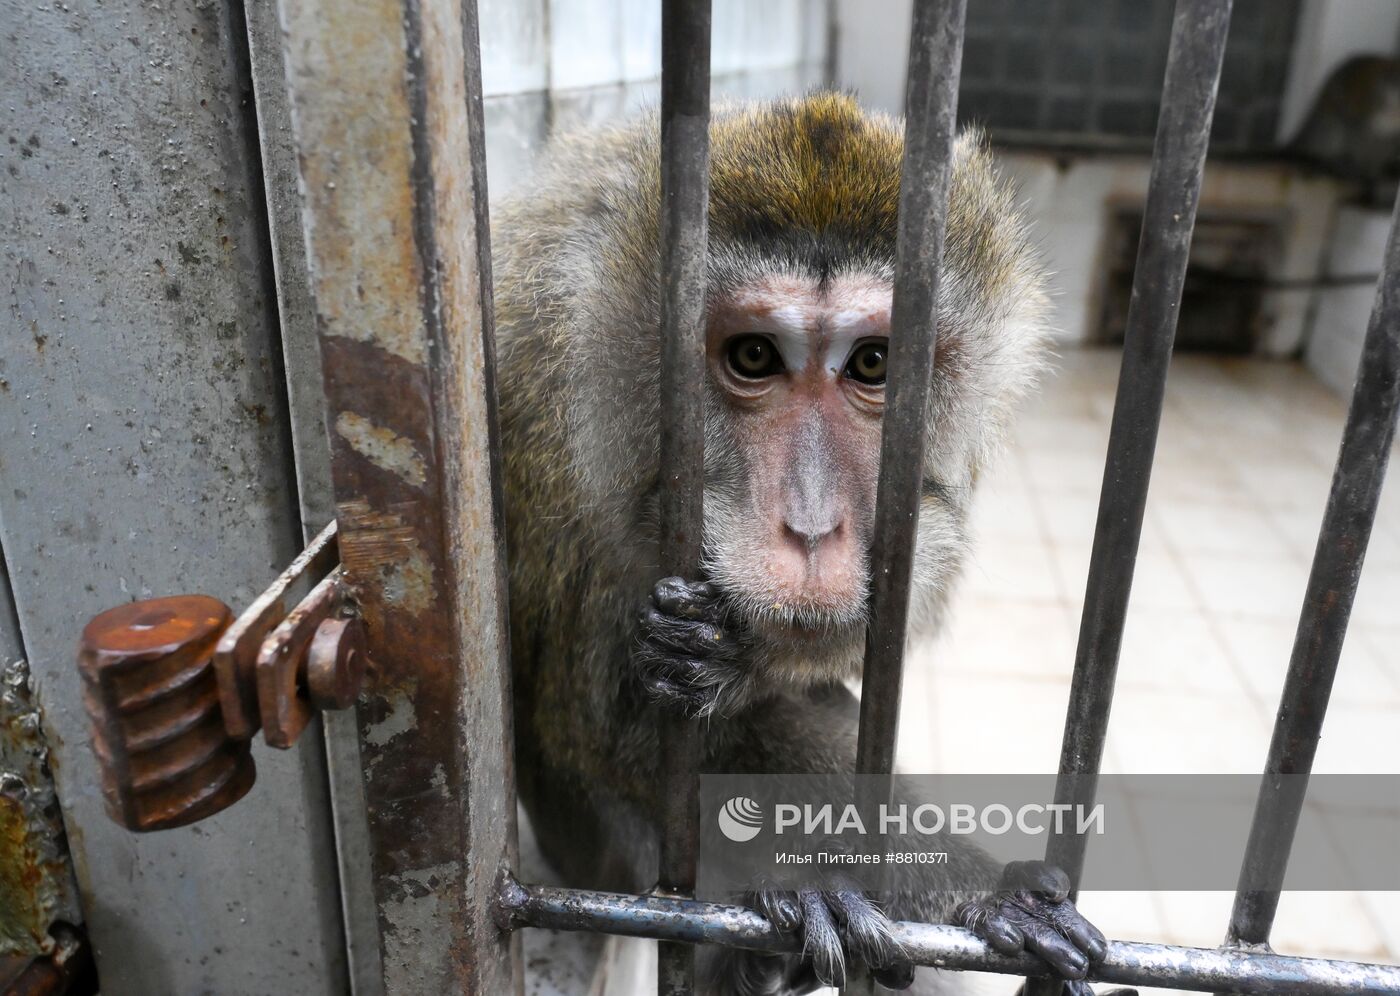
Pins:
x,y
1034,913
983,917
838,927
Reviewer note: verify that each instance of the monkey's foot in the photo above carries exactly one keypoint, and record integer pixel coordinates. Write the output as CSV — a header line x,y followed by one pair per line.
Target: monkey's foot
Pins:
x,y
689,659
836,926
1032,912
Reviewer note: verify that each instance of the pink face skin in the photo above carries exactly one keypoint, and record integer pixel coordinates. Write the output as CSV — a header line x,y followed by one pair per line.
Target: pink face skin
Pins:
x,y
810,433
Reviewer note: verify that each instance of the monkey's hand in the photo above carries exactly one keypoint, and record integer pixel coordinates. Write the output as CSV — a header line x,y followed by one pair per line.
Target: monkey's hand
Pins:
x,y
688,658
834,926
1032,912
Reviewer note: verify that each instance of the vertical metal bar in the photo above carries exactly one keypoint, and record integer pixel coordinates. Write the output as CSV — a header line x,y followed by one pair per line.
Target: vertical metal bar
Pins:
x,y
935,56
931,105
685,187
386,111
1197,49
1331,590
930,129
1188,99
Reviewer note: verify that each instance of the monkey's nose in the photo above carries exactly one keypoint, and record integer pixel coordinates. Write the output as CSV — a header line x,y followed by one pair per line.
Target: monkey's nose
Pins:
x,y
811,534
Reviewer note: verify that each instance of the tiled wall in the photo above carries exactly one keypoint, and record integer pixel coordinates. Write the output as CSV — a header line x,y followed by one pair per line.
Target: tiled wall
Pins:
x,y
557,64
1091,70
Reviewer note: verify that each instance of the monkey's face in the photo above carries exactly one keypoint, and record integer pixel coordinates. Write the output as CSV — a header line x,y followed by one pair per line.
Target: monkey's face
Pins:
x,y
797,375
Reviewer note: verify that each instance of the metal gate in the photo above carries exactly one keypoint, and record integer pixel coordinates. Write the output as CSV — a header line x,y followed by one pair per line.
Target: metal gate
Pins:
x,y
391,255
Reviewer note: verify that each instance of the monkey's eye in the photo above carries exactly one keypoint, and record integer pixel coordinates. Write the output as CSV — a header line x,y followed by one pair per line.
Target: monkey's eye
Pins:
x,y
754,357
867,363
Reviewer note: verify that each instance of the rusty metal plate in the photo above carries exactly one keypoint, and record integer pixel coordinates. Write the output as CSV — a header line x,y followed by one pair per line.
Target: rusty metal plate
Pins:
x,y
281,665
236,656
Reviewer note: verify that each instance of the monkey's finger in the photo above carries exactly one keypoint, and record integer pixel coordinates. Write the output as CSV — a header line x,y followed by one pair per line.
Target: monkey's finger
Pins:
x,y
677,597
1080,932
706,591
821,942
1036,876
677,698
1043,939
780,908
983,918
899,976
680,636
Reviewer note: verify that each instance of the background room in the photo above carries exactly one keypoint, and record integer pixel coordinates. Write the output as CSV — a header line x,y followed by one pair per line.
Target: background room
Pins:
x,y
1293,216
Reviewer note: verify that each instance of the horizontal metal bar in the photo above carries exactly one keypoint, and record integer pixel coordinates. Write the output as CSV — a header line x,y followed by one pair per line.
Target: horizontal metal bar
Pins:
x,y
1322,626
937,946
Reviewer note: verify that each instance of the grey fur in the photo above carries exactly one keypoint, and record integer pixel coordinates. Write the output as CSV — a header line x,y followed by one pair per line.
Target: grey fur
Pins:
x,y
578,351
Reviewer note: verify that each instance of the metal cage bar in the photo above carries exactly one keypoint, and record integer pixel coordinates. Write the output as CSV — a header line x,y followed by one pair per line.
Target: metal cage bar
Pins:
x,y
1188,101
685,191
1193,71
939,946
1194,60
387,116
1331,589
935,58
931,107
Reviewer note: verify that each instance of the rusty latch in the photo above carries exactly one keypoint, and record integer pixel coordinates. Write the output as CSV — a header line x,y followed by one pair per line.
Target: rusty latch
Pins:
x,y
176,688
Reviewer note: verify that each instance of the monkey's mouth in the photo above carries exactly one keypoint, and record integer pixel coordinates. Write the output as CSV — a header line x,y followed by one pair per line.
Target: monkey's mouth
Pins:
x,y
808,624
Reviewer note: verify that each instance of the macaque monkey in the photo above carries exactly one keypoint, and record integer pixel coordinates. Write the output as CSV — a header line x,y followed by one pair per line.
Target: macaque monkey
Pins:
x,y
803,203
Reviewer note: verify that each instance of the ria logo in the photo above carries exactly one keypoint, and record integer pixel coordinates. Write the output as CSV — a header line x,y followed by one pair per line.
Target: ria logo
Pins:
x,y
740,819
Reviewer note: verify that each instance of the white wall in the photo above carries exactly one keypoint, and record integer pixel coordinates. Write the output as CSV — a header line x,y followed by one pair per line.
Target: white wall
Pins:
x,y
872,49
1330,32
1334,345
556,64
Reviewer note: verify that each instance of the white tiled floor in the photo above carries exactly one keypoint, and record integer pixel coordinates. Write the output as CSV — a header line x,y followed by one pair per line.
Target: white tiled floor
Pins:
x,y
1243,466
1240,480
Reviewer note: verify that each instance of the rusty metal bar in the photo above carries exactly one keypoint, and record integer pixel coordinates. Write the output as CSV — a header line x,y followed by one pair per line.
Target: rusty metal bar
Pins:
x,y
386,111
939,946
685,186
1331,590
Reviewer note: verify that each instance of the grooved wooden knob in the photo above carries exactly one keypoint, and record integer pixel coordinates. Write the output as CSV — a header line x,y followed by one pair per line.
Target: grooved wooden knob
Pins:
x,y
151,694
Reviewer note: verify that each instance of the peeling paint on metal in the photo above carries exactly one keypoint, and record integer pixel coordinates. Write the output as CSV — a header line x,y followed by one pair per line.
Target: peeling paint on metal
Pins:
x,y
384,548
382,447
36,875
384,95
414,907
399,718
